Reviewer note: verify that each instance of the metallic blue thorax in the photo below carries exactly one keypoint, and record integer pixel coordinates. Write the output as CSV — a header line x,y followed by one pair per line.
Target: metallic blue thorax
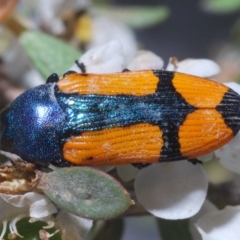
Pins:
x,y
32,125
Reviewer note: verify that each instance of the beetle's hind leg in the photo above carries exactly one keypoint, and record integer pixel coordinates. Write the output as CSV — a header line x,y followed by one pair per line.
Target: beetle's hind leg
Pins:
x,y
141,165
195,161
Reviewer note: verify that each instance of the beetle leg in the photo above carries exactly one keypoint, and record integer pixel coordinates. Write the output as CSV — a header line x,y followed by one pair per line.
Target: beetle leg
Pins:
x,y
81,66
68,73
195,161
141,165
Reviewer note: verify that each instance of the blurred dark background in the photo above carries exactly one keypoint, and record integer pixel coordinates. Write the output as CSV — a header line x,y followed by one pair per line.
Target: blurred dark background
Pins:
x,y
188,32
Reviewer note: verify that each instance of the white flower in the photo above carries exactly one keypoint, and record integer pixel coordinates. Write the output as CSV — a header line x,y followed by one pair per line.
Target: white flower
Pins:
x,y
234,86
220,224
110,58
72,226
206,208
172,190
39,208
145,60
105,29
229,153
127,172
102,60
48,12
197,67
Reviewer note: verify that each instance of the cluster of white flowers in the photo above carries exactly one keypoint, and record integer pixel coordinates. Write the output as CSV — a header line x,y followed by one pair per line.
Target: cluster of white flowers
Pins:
x,y
174,190
39,208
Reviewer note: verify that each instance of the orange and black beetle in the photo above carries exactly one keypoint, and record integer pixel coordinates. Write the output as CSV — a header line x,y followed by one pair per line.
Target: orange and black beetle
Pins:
x,y
129,117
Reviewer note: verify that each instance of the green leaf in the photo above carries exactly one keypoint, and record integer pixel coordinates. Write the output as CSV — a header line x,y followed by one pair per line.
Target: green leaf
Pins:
x,y
221,6
174,229
48,54
86,192
135,16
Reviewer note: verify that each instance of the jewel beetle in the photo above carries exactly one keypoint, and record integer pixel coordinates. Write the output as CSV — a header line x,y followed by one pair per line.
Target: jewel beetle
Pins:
x,y
129,117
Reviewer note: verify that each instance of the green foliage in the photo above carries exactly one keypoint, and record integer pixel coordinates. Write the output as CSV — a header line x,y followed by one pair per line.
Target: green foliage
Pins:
x,y
48,54
86,192
135,16
221,6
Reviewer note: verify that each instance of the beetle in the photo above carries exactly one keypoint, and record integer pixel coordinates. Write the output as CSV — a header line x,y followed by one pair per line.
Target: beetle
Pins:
x,y
129,117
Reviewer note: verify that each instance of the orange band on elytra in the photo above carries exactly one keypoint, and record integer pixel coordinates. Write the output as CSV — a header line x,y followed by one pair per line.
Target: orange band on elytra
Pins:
x,y
119,145
199,92
135,83
202,132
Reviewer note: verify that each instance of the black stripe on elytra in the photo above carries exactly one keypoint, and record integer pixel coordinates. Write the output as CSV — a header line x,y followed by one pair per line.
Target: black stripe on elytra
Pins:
x,y
177,109
229,107
96,112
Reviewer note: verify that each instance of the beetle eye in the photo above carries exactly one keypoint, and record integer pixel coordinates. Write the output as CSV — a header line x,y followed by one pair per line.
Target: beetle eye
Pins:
x,y
53,78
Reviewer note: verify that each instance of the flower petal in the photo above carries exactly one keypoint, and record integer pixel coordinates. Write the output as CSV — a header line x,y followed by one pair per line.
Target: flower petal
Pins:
x,y
73,227
48,12
42,208
145,60
105,59
127,172
7,210
105,28
234,86
229,154
220,225
105,168
173,190
197,67
206,208
38,205
24,200
33,74
206,157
